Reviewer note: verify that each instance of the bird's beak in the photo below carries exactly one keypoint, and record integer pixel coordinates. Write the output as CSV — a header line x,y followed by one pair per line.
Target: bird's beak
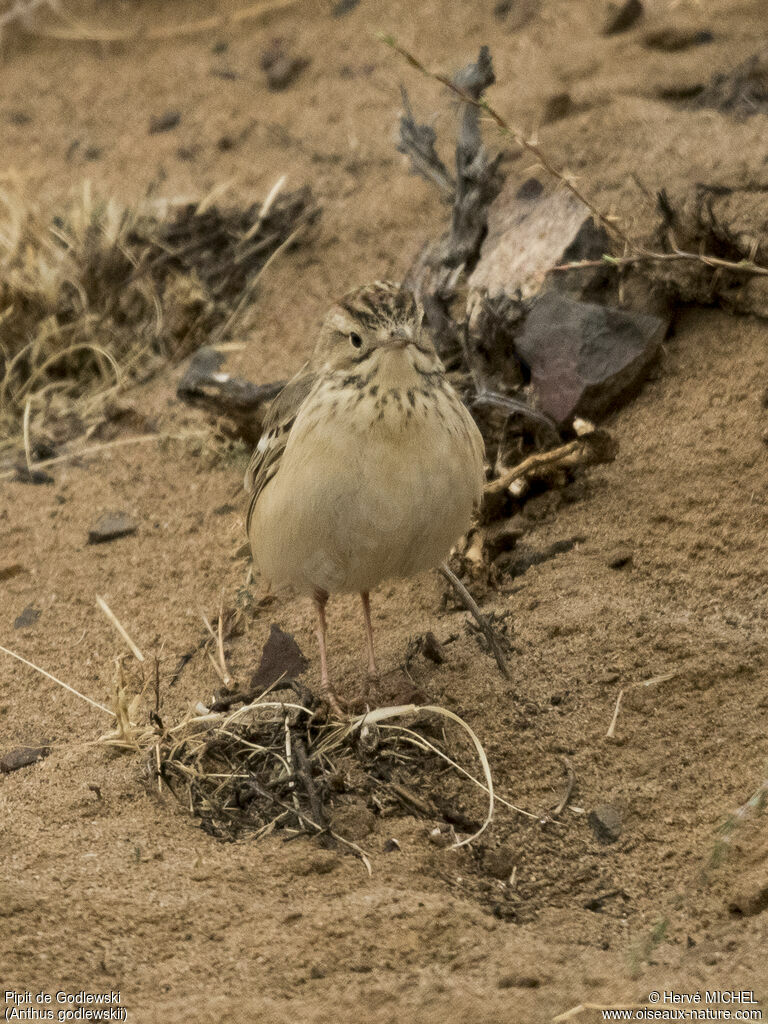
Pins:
x,y
399,337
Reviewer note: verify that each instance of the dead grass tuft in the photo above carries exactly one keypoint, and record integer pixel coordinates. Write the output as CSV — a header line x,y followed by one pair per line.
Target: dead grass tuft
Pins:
x,y
99,295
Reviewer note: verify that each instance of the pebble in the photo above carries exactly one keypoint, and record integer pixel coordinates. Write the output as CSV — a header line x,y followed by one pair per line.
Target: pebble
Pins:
x,y
20,757
110,526
28,617
605,821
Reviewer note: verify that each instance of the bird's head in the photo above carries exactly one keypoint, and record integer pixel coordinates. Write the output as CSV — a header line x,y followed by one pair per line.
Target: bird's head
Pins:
x,y
373,326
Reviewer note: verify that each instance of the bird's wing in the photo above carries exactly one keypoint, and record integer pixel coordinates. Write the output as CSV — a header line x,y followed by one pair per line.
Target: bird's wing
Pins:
x,y
265,460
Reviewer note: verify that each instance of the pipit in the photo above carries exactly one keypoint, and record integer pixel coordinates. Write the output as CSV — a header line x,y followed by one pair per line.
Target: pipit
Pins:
x,y
369,467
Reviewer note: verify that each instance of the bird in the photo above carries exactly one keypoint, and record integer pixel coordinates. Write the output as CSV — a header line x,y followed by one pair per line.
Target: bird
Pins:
x,y
369,466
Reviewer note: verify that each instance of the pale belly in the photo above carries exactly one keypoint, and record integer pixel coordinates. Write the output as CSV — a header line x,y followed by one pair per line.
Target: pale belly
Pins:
x,y
356,507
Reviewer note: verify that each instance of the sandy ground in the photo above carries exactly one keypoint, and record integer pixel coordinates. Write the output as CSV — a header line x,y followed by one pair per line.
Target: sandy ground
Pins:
x,y
122,890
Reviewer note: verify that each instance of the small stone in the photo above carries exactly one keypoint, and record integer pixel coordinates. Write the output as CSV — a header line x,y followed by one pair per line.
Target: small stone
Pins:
x,y
432,649
557,107
224,510
316,972
624,17
25,475
280,67
619,557
530,189
605,821
519,981
19,118
28,617
110,526
672,39
500,863
391,846
7,572
20,757
165,122
764,436
343,7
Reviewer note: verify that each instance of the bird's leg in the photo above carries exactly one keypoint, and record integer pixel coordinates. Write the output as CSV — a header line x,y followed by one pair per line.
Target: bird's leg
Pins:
x,y
320,598
372,669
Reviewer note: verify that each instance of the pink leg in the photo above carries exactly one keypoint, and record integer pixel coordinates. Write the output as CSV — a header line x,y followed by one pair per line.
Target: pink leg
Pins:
x,y
320,599
372,669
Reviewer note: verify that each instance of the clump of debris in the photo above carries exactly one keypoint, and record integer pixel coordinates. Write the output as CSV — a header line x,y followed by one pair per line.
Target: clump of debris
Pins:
x,y
281,763
99,296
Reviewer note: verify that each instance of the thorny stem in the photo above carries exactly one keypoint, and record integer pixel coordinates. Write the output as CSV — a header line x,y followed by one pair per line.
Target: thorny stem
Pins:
x,y
636,252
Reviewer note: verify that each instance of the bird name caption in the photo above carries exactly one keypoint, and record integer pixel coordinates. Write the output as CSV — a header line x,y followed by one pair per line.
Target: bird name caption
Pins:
x,y
63,1005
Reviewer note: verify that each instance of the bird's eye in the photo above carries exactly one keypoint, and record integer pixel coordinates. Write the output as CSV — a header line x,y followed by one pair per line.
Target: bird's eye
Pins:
x,y
357,341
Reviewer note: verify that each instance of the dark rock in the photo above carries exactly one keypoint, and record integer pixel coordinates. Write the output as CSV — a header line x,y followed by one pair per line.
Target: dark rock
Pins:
x,y
224,510
227,74
391,846
586,359
225,143
432,649
672,39
605,821
516,13
280,67
93,153
203,384
281,657
624,17
619,557
19,118
343,7
500,863
7,572
165,122
519,981
20,757
110,526
557,107
220,46
530,189
28,617
25,475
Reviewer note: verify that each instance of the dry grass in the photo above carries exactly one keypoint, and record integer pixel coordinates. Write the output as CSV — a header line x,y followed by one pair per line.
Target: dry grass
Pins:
x,y
98,296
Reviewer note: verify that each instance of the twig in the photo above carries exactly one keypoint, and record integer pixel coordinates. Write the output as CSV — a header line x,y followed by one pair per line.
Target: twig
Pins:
x,y
220,643
471,605
119,627
745,266
305,819
66,686
633,686
568,788
304,770
94,449
634,250
27,444
612,727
